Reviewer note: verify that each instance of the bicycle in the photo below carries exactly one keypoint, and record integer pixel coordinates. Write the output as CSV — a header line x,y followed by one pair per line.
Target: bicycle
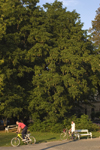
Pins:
x,y
66,135
28,140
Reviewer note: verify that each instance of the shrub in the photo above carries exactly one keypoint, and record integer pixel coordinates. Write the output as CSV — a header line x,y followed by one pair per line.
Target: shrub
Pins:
x,y
46,127
81,123
85,123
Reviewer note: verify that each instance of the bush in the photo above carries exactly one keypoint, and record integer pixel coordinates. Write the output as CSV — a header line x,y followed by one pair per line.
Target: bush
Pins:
x,y
46,127
84,123
57,128
81,123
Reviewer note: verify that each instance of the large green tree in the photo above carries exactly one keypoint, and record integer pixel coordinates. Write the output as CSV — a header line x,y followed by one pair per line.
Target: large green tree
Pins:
x,y
47,63
15,67
67,75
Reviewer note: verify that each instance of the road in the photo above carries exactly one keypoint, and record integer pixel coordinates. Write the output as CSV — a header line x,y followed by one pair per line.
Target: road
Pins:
x,y
83,144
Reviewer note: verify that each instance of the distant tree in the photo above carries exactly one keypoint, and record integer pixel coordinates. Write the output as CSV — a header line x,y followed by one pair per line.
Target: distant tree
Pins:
x,y
95,38
95,30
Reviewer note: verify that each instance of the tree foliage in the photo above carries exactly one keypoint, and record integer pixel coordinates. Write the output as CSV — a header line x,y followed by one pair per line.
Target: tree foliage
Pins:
x,y
95,38
47,63
15,67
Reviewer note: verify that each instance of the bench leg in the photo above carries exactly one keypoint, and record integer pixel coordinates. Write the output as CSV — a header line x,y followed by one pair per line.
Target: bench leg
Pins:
x,y
78,137
6,130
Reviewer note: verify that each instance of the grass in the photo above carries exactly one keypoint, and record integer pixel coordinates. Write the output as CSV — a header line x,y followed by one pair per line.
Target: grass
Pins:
x,y
96,134
46,137
5,138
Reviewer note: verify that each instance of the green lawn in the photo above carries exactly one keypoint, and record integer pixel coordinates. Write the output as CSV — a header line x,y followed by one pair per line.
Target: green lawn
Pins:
x,y
96,134
5,138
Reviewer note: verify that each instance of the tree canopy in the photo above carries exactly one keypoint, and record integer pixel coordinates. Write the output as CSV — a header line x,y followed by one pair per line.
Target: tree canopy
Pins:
x,y
95,38
95,30
47,63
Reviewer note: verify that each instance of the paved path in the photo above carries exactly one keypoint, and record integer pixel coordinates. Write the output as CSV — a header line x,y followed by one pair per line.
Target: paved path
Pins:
x,y
83,144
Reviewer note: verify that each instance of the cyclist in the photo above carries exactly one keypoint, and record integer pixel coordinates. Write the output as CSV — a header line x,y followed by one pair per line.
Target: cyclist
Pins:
x,y
72,130
23,127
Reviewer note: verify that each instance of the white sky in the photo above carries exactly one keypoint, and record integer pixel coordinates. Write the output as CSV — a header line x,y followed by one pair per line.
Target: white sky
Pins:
x,y
86,9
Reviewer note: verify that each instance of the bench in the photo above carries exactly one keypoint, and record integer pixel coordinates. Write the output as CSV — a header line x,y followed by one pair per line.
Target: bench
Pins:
x,y
10,127
83,132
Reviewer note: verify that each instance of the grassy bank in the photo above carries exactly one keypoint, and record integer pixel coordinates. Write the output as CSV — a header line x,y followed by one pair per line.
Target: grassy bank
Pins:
x,y
5,138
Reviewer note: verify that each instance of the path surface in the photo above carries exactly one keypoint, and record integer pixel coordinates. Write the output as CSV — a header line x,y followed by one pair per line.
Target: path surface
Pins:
x,y
83,144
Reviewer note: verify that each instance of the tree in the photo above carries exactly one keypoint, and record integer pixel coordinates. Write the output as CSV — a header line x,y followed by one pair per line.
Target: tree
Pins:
x,y
67,75
47,63
95,38
95,30
15,68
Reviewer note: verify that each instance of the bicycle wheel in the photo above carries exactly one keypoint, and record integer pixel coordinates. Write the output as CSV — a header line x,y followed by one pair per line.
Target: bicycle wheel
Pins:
x,y
32,140
63,136
15,142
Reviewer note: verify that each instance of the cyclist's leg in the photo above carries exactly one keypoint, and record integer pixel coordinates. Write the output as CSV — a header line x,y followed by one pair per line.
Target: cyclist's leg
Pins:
x,y
24,131
73,136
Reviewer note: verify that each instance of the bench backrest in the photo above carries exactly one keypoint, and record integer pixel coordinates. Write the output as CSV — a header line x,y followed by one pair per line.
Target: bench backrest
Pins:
x,y
11,126
82,130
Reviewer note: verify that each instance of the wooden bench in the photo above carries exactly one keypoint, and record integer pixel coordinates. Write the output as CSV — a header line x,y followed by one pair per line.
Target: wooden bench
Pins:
x,y
10,127
83,132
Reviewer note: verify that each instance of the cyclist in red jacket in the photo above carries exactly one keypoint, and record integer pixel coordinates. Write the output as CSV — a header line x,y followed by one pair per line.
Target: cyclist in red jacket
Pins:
x,y
23,127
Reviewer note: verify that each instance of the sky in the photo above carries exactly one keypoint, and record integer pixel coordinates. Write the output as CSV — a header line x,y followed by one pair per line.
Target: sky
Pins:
x,y
86,9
